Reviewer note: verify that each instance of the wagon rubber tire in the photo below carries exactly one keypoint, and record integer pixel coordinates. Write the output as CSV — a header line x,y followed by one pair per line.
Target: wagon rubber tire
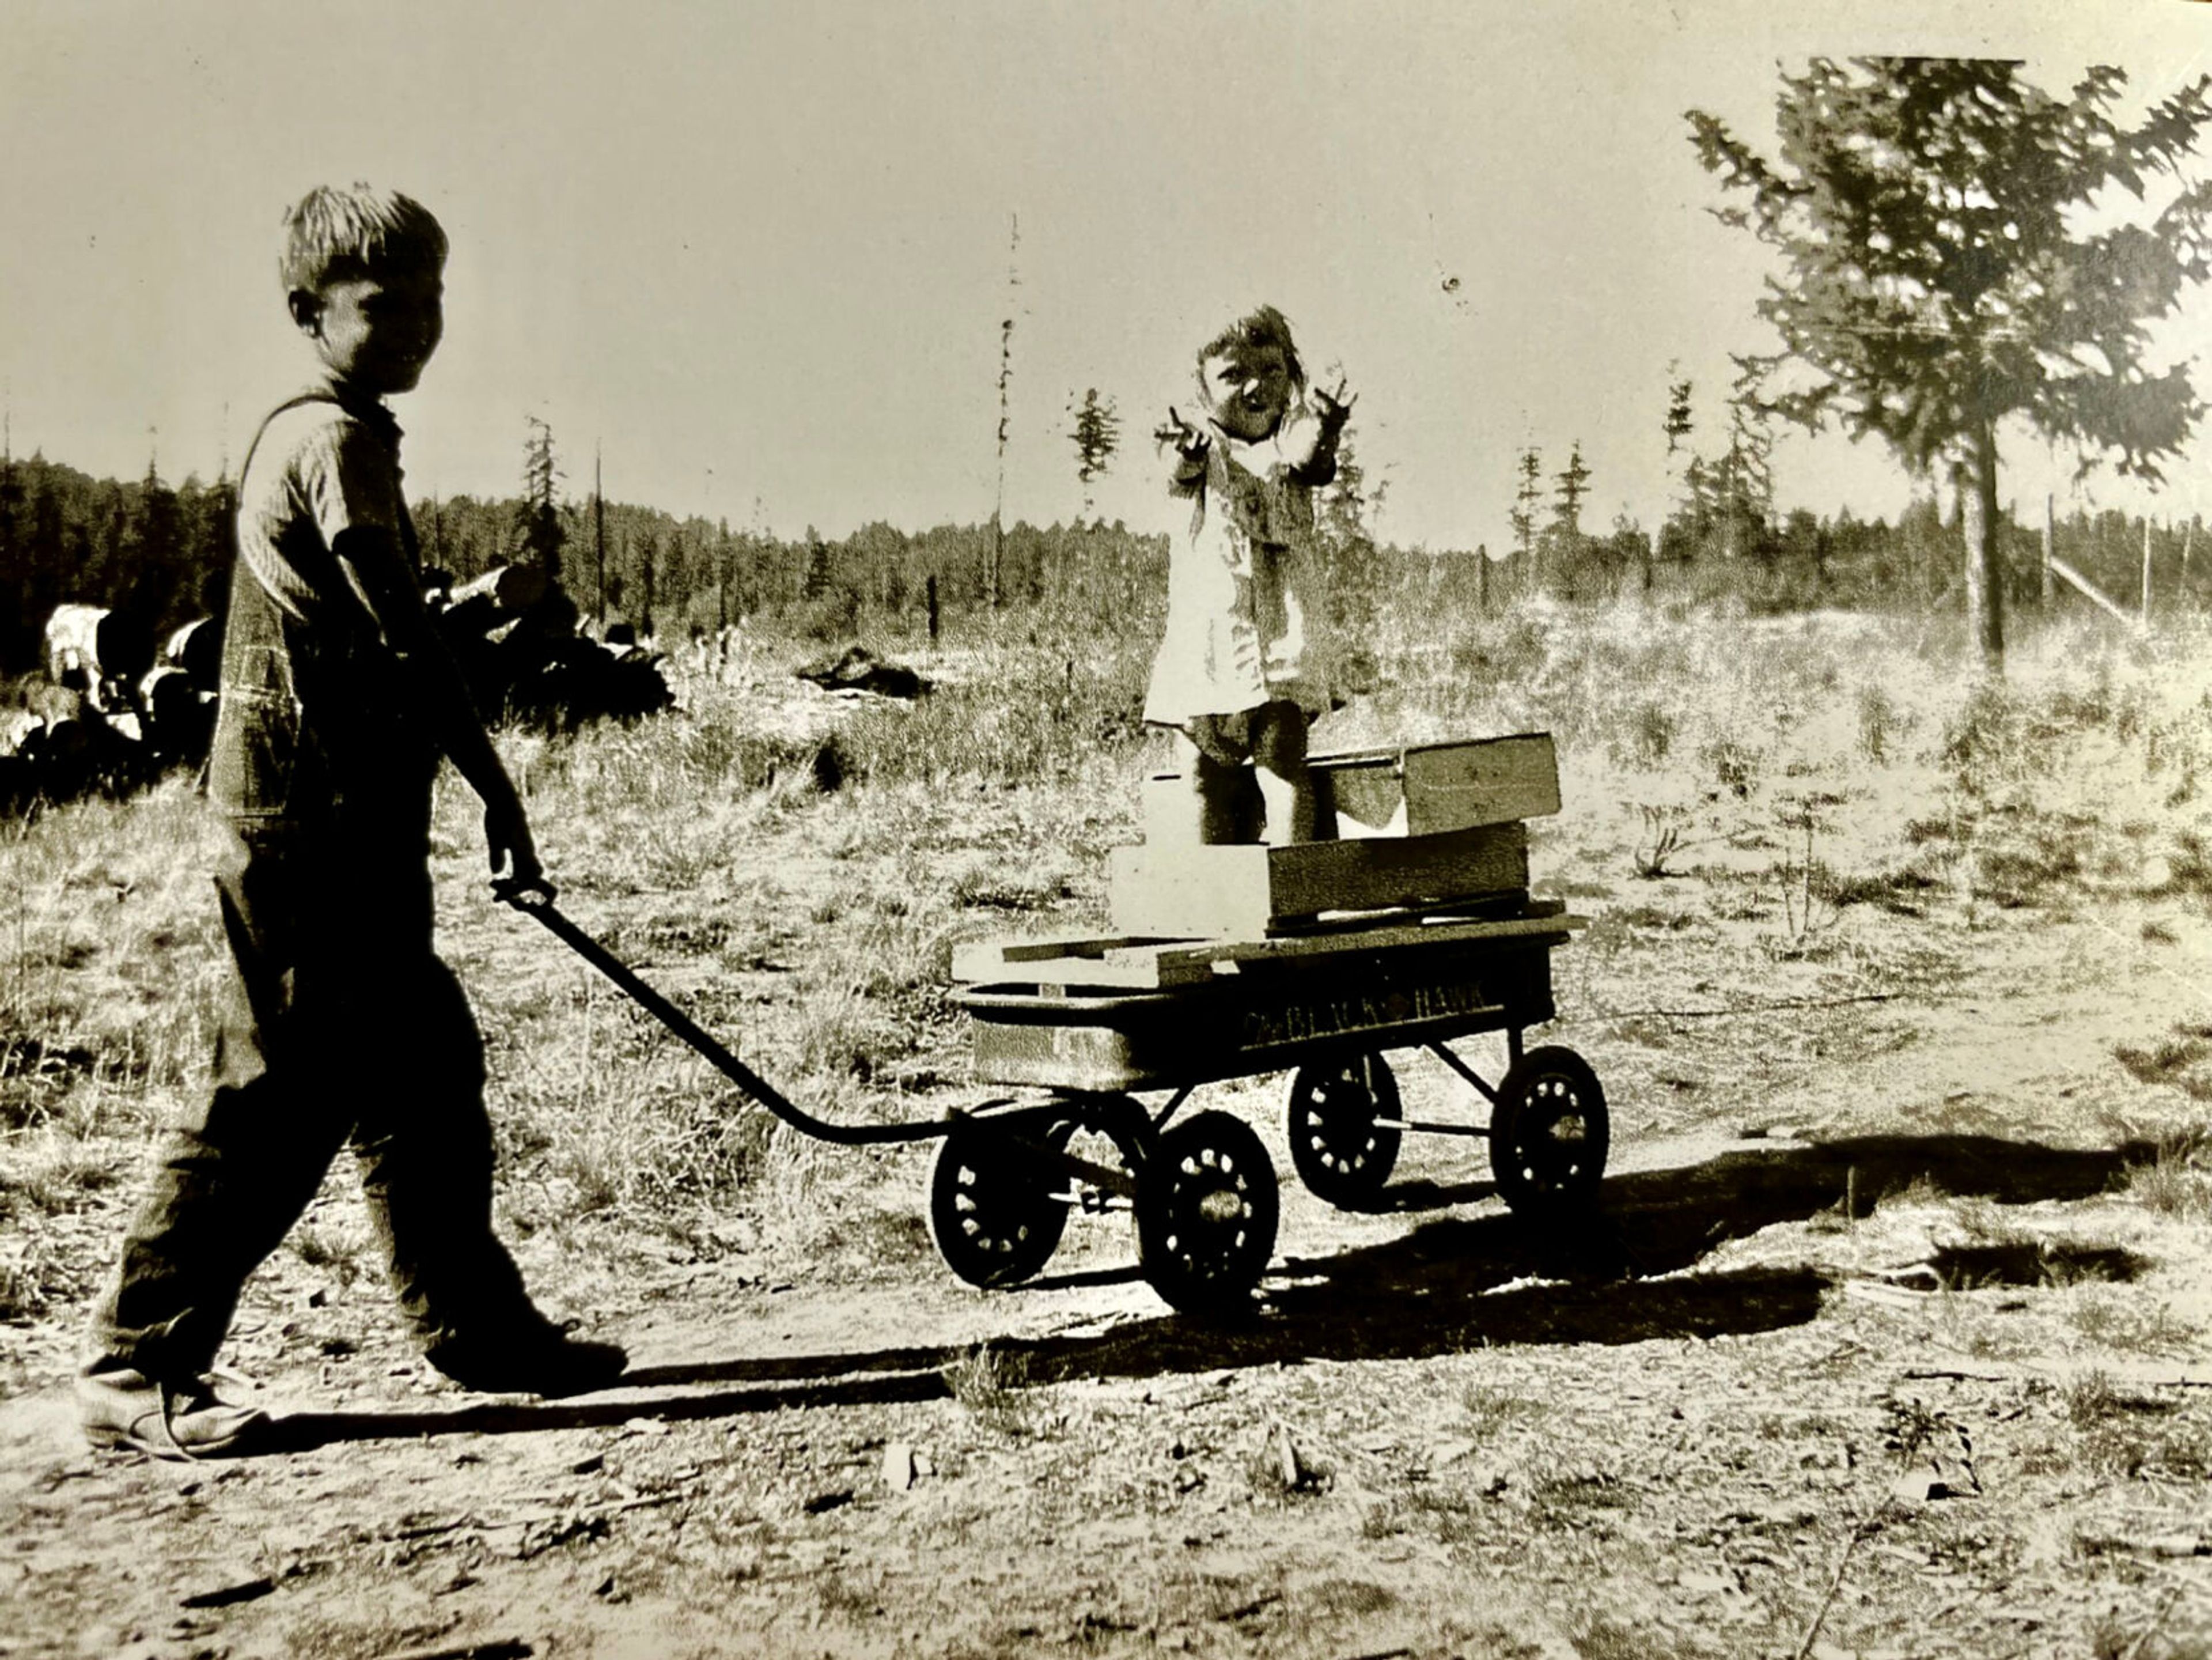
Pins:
x,y
1549,1133
992,1213
1207,1203
1342,1155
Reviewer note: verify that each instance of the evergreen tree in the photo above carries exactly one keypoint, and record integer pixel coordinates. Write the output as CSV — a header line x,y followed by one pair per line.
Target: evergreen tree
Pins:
x,y
151,567
815,583
204,513
14,550
1347,502
540,531
1573,482
1342,517
723,616
1097,434
1677,425
1523,518
1743,481
1934,278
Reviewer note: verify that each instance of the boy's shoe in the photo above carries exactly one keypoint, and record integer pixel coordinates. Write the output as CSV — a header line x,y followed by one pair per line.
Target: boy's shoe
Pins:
x,y
536,1360
125,1409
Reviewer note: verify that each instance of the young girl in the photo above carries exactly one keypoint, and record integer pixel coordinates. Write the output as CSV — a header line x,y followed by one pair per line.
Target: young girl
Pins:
x,y
1239,673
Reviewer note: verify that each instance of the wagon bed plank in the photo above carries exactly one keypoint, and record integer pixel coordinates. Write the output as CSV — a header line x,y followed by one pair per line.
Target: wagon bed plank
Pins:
x,y
1232,953
1117,961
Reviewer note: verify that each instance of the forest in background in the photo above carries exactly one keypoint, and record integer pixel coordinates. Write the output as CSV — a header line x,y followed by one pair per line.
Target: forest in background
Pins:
x,y
1935,284
160,551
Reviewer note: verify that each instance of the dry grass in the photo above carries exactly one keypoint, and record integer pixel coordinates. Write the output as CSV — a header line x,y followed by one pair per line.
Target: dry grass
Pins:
x,y
802,869
1838,814
993,1387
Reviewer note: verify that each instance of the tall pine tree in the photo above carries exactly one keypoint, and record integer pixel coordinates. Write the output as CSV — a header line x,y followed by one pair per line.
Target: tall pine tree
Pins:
x,y
1933,278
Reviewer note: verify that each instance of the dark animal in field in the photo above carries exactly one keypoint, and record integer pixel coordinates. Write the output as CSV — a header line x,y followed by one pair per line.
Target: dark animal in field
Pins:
x,y
563,683
100,652
196,649
105,715
109,714
180,716
513,632
55,745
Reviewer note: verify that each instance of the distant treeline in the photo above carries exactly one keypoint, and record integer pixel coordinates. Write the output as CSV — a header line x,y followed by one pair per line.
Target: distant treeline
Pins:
x,y
1803,561
674,578
161,552
64,536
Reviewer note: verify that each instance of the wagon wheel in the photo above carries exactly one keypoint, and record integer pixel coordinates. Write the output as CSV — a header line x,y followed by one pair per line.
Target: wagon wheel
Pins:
x,y
1207,1206
1342,1154
994,1209
1549,1132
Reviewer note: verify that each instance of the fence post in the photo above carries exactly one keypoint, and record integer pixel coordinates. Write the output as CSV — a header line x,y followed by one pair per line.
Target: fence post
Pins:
x,y
2143,614
929,589
2049,533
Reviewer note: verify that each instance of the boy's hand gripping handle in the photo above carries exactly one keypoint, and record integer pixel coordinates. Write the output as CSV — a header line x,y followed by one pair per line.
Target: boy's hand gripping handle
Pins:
x,y
522,893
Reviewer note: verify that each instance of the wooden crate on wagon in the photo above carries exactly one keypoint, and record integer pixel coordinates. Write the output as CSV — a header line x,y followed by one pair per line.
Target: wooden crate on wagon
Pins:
x,y
1409,828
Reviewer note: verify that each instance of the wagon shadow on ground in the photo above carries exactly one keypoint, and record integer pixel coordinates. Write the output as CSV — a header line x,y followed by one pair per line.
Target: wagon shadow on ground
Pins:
x,y
1451,1284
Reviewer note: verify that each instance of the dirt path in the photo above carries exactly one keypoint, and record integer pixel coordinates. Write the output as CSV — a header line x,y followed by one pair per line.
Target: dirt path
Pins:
x,y
1706,1424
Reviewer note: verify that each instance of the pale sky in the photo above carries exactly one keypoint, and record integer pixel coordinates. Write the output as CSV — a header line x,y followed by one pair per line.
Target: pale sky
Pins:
x,y
759,253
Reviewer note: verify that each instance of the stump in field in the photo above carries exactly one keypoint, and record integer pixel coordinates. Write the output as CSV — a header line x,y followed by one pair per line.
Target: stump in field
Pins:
x,y
856,669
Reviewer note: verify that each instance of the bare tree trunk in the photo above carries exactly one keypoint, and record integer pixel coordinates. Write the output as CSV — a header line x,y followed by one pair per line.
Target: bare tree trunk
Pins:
x,y
993,560
1967,511
1977,513
2050,540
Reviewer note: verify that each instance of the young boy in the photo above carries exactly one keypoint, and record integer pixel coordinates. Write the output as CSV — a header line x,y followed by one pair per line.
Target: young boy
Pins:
x,y
340,1022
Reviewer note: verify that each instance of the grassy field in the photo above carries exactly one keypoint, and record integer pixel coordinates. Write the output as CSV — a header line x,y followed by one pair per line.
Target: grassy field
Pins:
x,y
1891,1342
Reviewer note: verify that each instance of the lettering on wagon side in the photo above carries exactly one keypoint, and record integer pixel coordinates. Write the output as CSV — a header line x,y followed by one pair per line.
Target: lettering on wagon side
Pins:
x,y
1333,1017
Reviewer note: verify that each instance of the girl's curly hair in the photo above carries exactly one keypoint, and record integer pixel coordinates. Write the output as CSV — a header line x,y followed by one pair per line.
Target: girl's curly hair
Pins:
x,y
1263,325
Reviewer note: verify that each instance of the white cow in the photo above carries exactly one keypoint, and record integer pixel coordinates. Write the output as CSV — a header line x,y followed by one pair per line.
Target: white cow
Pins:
x,y
98,652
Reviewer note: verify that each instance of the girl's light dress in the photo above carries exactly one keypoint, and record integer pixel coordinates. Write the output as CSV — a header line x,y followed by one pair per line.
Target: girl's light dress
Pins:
x,y
1245,581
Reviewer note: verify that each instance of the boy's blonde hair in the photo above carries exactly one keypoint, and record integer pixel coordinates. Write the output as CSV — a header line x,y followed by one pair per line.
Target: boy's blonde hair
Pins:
x,y
1263,325
337,235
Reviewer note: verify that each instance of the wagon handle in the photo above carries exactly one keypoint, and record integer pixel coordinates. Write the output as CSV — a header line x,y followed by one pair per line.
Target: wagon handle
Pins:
x,y
534,899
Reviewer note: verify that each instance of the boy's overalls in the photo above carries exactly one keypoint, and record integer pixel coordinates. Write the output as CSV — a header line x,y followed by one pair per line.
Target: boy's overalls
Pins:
x,y
338,1022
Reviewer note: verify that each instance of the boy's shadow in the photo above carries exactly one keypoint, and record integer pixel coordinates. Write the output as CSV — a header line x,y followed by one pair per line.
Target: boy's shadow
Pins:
x,y
1451,1284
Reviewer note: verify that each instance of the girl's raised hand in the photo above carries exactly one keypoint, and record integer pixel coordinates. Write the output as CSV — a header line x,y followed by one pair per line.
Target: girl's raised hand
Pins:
x,y
1187,440
1335,407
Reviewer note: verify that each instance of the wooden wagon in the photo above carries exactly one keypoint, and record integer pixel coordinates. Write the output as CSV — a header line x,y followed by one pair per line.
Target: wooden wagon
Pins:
x,y
1409,925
